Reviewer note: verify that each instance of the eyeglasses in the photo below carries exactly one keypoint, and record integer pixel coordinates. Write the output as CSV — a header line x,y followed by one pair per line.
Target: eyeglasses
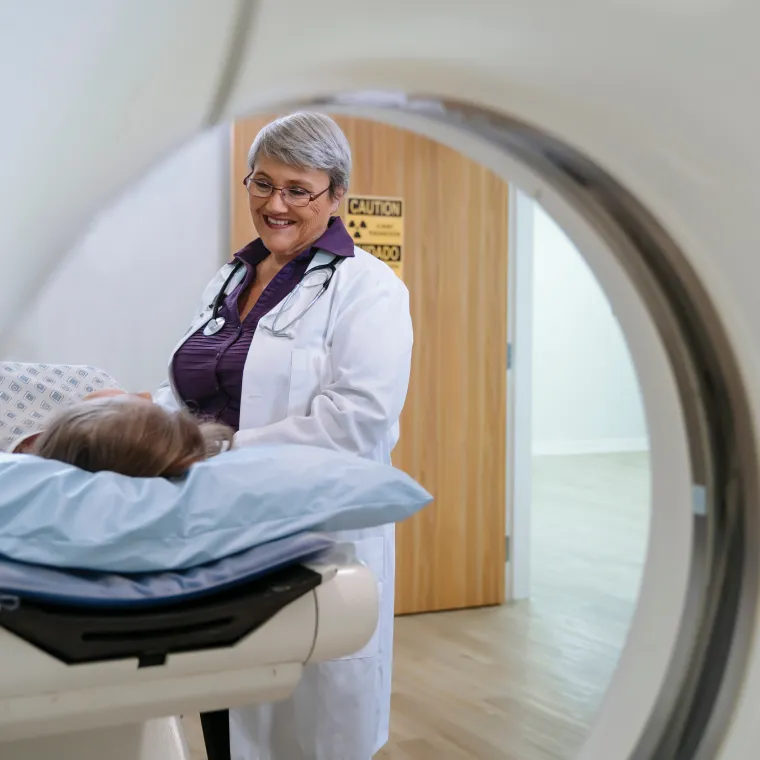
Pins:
x,y
293,196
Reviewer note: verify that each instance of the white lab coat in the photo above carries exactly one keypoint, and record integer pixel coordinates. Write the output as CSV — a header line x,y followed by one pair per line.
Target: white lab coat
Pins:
x,y
339,380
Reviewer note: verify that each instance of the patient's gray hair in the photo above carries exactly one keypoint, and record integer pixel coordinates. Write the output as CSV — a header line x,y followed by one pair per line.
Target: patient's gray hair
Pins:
x,y
308,141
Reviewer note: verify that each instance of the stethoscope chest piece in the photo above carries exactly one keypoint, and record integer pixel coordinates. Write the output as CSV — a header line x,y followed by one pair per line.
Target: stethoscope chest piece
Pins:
x,y
213,326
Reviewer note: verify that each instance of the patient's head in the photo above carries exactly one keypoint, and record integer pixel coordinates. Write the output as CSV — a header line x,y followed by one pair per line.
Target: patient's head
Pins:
x,y
129,435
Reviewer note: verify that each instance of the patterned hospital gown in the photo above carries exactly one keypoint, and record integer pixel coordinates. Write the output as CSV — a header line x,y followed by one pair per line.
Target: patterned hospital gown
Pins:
x,y
31,393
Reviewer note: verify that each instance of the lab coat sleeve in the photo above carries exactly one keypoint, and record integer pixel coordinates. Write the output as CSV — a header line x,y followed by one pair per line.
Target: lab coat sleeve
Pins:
x,y
164,396
371,355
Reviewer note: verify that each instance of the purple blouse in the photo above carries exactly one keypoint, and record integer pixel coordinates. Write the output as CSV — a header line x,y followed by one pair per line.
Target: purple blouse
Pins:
x,y
208,369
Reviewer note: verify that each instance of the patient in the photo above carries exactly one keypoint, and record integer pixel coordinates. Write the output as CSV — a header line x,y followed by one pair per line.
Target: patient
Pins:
x,y
128,434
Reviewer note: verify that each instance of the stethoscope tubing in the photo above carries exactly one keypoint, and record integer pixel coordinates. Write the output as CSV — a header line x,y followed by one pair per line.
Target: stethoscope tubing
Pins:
x,y
216,323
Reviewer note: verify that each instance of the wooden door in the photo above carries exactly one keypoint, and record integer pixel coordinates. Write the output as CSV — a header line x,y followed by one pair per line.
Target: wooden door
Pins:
x,y
453,429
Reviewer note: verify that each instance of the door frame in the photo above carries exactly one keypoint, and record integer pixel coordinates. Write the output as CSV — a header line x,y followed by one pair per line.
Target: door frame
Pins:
x,y
519,471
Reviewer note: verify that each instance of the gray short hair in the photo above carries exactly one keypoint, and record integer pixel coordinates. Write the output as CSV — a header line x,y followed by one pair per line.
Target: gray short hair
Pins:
x,y
309,141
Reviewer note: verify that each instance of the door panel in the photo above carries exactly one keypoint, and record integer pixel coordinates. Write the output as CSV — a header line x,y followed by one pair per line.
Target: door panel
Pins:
x,y
453,429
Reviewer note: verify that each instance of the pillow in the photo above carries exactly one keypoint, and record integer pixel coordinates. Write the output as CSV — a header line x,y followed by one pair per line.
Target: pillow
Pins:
x,y
31,393
58,515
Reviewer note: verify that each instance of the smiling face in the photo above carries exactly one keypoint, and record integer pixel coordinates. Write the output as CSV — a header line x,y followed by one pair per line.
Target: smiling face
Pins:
x,y
288,230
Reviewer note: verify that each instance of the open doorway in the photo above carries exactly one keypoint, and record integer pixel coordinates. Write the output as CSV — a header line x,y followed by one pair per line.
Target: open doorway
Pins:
x,y
579,496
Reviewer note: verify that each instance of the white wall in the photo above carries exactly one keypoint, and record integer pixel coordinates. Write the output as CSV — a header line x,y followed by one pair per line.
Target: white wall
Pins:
x,y
124,295
585,393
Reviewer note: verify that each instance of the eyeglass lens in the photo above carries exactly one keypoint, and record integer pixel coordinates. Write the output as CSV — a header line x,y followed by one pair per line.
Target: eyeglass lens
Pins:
x,y
293,196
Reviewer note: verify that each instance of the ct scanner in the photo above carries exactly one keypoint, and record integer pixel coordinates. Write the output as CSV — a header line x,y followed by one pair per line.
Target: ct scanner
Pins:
x,y
635,122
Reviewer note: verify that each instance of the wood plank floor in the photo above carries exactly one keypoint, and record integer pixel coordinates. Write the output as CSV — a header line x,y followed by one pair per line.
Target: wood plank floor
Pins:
x,y
524,681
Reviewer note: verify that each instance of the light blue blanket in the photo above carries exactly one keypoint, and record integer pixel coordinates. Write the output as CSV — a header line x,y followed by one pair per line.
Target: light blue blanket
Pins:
x,y
57,515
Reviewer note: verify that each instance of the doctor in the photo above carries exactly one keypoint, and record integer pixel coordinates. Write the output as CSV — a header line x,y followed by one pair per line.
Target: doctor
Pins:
x,y
305,339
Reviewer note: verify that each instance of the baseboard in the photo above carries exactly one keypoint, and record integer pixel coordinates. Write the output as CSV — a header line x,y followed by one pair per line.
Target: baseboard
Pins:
x,y
591,446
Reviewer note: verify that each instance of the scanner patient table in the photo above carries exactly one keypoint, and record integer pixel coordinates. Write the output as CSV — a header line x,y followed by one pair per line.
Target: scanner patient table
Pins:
x,y
89,659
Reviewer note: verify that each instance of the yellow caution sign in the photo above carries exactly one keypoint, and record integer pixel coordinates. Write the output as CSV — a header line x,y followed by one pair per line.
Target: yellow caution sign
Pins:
x,y
377,225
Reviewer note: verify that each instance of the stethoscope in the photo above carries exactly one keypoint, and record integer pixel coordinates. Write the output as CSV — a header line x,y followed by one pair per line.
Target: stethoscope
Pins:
x,y
318,276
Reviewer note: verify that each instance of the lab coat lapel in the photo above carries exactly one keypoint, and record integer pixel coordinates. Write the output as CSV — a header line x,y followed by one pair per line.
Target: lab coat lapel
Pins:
x,y
276,363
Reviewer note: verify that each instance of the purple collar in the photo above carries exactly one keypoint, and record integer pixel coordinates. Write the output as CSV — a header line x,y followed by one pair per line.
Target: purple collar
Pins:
x,y
335,240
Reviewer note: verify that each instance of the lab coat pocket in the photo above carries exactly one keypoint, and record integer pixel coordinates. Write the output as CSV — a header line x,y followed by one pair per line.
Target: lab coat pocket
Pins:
x,y
371,552
304,381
